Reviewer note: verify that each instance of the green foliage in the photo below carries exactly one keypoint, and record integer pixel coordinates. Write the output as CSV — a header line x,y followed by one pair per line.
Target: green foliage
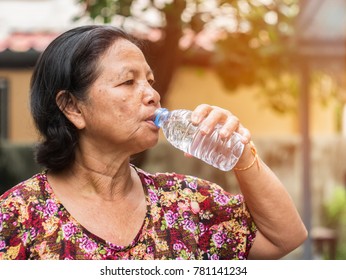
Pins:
x,y
16,164
106,9
261,51
335,216
336,207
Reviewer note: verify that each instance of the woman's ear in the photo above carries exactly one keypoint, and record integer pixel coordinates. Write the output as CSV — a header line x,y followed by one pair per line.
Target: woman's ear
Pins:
x,y
69,105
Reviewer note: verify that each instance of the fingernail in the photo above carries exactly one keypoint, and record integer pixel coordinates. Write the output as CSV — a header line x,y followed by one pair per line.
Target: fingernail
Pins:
x,y
204,129
244,139
224,133
194,119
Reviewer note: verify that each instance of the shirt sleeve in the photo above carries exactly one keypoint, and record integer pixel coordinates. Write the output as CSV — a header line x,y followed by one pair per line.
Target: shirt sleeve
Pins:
x,y
13,236
229,228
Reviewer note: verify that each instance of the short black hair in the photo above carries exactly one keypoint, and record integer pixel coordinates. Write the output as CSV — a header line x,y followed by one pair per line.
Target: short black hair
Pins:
x,y
69,64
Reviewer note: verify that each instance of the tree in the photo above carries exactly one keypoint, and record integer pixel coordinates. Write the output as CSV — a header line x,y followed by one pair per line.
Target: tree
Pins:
x,y
255,37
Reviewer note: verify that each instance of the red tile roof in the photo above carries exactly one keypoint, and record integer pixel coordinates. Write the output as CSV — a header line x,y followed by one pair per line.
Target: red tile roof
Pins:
x,y
38,41
22,42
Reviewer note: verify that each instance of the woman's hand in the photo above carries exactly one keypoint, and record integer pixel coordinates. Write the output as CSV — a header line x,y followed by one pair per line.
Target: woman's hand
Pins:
x,y
207,117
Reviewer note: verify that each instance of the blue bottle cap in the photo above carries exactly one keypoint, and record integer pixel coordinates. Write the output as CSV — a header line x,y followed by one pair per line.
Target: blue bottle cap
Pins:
x,y
158,114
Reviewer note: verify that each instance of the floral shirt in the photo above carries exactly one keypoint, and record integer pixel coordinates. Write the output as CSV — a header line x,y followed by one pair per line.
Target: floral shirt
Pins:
x,y
187,218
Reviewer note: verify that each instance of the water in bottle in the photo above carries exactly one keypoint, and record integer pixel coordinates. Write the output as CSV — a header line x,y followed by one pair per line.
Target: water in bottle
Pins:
x,y
182,134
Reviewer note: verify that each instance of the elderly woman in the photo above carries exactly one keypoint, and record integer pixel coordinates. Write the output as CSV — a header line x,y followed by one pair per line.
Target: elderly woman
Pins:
x,y
93,102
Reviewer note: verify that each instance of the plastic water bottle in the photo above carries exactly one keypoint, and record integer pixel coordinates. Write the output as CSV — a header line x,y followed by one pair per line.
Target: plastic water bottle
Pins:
x,y
182,134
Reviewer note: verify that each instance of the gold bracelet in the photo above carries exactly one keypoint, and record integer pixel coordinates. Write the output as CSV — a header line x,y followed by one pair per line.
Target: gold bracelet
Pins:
x,y
254,152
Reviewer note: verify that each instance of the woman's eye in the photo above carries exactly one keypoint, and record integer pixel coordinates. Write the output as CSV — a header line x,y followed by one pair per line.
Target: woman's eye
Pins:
x,y
128,82
151,82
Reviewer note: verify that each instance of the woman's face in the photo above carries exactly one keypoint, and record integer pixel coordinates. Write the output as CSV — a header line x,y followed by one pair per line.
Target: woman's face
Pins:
x,y
121,102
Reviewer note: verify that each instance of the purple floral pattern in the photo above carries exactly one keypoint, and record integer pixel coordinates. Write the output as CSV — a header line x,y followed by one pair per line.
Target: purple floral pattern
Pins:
x,y
187,218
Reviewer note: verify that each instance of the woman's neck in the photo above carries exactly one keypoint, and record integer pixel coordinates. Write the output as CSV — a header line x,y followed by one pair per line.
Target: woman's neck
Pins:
x,y
109,183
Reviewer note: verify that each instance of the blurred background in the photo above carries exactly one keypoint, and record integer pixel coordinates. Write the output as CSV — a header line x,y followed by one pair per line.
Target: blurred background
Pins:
x,y
279,65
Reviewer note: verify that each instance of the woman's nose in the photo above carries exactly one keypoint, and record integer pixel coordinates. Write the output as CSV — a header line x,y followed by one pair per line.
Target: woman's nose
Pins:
x,y
151,96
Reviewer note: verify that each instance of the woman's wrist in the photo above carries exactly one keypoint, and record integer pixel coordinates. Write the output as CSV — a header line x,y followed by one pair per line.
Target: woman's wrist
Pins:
x,y
249,158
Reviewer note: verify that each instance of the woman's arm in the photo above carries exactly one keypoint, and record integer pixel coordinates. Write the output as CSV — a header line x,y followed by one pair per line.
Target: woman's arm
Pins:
x,y
280,228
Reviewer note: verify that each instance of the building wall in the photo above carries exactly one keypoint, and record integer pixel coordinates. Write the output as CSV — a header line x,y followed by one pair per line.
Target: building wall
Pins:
x,y
193,86
21,128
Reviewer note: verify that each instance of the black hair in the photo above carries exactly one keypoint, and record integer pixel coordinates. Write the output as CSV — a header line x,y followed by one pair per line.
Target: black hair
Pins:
x,y
69,64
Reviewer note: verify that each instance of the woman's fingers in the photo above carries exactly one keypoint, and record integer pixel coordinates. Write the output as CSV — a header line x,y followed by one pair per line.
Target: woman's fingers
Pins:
x,y
200,112
245,133
207,117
